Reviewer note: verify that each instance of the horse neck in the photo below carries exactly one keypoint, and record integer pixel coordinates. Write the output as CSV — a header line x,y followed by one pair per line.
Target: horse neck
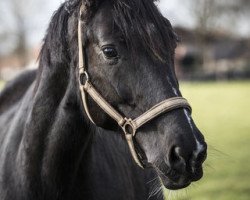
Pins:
x,y
56,134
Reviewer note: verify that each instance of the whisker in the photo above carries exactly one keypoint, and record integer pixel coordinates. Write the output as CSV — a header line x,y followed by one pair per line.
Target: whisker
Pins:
x,y
153,193
216,152
156,188
169,195
152,180
160,193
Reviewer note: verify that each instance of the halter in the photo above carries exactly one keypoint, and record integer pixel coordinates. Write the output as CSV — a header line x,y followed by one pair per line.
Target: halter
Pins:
x,y
128,125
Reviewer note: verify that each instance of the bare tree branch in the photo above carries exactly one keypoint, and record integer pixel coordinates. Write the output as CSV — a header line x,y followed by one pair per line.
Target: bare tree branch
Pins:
x,y
15,18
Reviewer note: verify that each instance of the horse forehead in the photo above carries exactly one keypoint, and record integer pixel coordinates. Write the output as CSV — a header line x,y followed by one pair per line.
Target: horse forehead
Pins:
x,y
102,22
103,16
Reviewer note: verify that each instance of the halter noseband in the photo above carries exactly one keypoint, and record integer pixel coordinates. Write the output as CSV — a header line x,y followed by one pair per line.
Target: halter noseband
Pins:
x,y
128,125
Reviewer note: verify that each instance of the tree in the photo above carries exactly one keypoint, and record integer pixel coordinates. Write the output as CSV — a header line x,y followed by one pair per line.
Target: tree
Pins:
x,y
211,15
15,17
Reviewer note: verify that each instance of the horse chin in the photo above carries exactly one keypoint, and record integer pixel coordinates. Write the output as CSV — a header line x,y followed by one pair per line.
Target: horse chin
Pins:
x,y
172,185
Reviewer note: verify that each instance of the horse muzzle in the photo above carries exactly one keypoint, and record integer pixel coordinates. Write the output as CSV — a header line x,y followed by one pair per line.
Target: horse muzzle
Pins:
x,y
178,172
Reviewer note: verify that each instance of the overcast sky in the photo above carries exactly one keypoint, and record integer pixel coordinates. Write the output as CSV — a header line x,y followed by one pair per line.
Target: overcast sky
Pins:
x,y
168,8
38,21
175,10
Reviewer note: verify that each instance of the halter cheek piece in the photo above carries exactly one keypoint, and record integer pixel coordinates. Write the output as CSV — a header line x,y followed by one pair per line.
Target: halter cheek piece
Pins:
x,y
128,125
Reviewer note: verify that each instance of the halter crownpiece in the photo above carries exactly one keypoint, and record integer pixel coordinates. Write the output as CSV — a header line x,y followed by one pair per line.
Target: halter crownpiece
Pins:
x,y
128,125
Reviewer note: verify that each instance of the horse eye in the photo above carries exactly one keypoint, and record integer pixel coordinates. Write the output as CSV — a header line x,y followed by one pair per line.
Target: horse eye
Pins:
x,y
110,52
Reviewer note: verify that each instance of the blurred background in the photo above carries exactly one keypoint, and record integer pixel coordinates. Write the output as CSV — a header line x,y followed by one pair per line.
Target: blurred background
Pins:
x,y
212,62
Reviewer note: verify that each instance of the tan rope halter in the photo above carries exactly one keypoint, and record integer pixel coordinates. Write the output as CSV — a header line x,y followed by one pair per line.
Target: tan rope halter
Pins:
x,y
128,125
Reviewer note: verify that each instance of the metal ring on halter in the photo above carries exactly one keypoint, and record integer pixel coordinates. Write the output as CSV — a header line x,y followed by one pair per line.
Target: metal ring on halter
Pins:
x,y
128,127
84,77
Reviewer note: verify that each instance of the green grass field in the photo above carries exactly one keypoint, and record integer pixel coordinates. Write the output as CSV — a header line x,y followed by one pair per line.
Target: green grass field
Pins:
x,y
222,112
1,84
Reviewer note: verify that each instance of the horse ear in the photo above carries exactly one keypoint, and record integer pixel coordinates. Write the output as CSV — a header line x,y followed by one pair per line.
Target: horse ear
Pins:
x,y
86,10
88,7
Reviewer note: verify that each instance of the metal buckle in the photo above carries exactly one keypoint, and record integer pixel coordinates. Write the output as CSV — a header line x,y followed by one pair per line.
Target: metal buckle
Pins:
x,y
84,77
128,127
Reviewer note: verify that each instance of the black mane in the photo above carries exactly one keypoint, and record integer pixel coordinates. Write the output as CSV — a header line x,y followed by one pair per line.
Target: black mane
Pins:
x,y
56,37
131,17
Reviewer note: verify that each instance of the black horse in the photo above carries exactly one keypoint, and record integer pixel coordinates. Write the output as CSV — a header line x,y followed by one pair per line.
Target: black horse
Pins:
x,y
110,172
48,147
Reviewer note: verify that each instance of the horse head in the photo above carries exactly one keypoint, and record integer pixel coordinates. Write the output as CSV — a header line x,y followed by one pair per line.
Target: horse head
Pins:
x,y
129,55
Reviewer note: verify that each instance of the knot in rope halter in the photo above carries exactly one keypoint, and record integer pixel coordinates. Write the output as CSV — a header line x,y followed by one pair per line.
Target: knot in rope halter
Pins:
x,y
128,125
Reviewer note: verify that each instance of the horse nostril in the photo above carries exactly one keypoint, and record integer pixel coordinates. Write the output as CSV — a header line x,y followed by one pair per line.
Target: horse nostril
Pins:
x,y
199,156
201,153
176,161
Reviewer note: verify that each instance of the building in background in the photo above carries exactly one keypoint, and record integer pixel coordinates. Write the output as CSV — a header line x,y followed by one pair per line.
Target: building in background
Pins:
x,y
214,36
226,56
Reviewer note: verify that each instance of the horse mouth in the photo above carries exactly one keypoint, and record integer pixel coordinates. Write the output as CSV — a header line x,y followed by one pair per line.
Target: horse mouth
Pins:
x,y
175,182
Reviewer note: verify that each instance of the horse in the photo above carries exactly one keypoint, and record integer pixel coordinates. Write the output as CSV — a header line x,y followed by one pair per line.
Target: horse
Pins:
x,y
113,174
47,131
